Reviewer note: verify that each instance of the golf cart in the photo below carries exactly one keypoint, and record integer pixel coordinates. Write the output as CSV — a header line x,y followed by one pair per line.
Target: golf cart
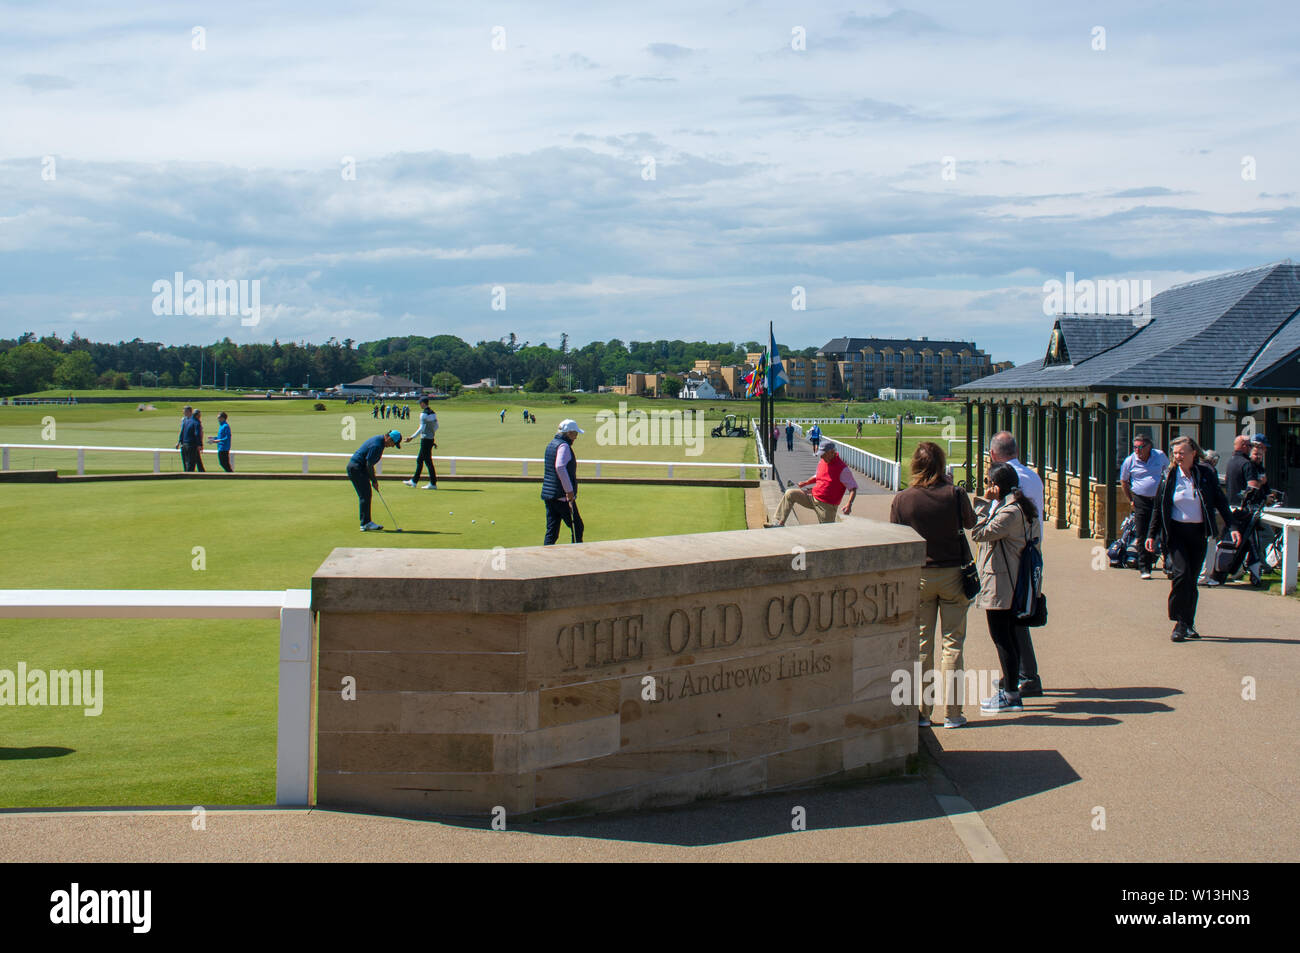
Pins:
x,y
729,428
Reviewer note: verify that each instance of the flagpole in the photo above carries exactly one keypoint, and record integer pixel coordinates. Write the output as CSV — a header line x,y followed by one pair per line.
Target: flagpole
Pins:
x,y
771,400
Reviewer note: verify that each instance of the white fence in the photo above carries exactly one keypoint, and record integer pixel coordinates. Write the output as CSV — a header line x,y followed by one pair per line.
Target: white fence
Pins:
x,y
450,462
297,638
1286,521
765,466
885,472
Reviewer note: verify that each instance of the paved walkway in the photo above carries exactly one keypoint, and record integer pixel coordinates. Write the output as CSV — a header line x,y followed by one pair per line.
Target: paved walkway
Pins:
x,y
1150,737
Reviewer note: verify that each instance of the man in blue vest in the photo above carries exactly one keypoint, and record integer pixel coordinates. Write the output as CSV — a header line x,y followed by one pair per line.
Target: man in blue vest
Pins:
x,y
361,471
560,484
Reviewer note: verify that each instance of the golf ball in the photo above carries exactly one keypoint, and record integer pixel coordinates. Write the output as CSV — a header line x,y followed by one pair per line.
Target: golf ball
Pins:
x,y
494,522
450,513
473,521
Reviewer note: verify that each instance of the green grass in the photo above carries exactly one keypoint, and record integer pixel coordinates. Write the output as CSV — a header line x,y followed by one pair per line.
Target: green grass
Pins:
x,y
470,428
189,709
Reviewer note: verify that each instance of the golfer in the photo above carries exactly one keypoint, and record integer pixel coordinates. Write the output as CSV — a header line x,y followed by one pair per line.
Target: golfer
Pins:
x,y
560,484
427,430
222,440
361,471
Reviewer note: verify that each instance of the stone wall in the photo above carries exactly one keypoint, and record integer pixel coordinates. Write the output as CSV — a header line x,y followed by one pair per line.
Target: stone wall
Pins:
x,y
613,675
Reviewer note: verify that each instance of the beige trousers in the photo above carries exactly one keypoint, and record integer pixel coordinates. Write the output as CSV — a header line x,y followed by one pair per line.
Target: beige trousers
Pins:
x,y
795,496
941,599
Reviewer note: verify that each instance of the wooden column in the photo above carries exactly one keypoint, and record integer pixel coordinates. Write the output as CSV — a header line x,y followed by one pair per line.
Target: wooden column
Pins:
x,y
1111,423
1040,441
1062,494
1022,431
970,434
1085,473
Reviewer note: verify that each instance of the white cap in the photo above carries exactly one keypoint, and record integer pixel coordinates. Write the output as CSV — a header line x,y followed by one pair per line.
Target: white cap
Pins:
x,y
569,426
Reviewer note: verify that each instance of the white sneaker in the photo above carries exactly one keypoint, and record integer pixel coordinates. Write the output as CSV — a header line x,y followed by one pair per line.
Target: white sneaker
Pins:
x,y
409,482
1145,574
370,527
428,486
954,722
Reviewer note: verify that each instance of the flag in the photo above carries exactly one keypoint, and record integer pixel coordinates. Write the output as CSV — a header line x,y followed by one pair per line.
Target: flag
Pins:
x,y
776,374
758,387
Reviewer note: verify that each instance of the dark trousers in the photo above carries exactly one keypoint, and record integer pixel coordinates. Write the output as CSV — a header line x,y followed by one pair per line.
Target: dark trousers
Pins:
x,y
789,442
223,458
425,458
198,460
557,512
361,482
188,455
1002,626
1143,506
1028,661
1185,547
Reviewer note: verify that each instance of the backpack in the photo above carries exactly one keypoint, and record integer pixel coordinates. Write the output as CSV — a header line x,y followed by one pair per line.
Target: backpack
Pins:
x,y
1028,604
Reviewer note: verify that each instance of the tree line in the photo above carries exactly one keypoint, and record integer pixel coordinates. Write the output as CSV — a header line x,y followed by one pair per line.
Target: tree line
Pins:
x,y
30,364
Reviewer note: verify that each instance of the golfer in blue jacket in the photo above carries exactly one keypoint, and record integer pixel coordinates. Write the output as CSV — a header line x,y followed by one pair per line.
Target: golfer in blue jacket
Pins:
x,y
361,471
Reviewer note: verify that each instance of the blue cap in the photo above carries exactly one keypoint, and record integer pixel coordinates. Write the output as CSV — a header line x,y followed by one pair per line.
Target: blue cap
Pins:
x,y
397,438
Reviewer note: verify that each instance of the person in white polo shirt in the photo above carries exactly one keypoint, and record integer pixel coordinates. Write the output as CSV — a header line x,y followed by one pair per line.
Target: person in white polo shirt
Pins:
x,y
1139,476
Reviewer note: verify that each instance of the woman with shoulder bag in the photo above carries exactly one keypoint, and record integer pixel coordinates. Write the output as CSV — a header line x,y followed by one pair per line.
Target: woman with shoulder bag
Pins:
x,y
1188,497
1006,521
938,510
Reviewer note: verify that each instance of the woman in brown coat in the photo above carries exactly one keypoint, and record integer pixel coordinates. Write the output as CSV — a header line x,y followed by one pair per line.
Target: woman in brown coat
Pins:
x,y
1006,521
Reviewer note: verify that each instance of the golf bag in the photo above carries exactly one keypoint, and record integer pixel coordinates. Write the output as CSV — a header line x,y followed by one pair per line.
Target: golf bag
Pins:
x,y
1228,559
1123,551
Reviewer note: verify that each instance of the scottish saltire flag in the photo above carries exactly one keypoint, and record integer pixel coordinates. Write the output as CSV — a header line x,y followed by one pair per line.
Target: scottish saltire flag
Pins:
x,y
776,374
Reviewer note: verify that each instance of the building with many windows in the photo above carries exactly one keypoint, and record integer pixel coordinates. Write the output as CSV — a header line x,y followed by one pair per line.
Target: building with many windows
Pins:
x,y
861,367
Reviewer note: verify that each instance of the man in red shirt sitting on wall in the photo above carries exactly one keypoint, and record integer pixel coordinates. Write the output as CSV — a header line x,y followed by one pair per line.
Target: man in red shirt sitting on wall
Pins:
x,y
832,479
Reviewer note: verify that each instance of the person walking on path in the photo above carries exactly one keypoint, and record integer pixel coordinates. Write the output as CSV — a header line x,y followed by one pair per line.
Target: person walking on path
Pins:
x,y
829,484
815,436
560,484
938,511
1003,449
187,440
1006,520
789,435
1139,476
427,430
222,440
1187,499
361,471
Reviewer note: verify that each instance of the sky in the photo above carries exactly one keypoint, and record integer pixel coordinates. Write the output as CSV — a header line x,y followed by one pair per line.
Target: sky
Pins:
x,y
634,171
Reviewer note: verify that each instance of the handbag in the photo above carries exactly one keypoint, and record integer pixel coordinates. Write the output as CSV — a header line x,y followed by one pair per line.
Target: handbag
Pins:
x,y
970,577
1028,603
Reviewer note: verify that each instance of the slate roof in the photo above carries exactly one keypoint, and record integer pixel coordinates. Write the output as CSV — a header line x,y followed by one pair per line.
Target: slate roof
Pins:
x,y
1218,333
1087,337
847,345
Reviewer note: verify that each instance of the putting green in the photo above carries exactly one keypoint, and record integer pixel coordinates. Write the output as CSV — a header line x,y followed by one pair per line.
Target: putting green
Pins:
x,y
189,706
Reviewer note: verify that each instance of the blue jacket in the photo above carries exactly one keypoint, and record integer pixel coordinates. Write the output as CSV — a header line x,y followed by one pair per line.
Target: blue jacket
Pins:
x,y
367,454
191,433
552,488
223,437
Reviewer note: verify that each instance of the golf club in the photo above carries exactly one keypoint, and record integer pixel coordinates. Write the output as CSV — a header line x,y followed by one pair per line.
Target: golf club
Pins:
x,y
396,528
573,520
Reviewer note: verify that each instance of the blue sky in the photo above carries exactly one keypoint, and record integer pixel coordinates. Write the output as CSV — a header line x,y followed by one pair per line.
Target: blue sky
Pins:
x,y
525,167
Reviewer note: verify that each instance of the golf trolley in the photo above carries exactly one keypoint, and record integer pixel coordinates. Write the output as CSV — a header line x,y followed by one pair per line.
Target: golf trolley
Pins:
x,y
1256,536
